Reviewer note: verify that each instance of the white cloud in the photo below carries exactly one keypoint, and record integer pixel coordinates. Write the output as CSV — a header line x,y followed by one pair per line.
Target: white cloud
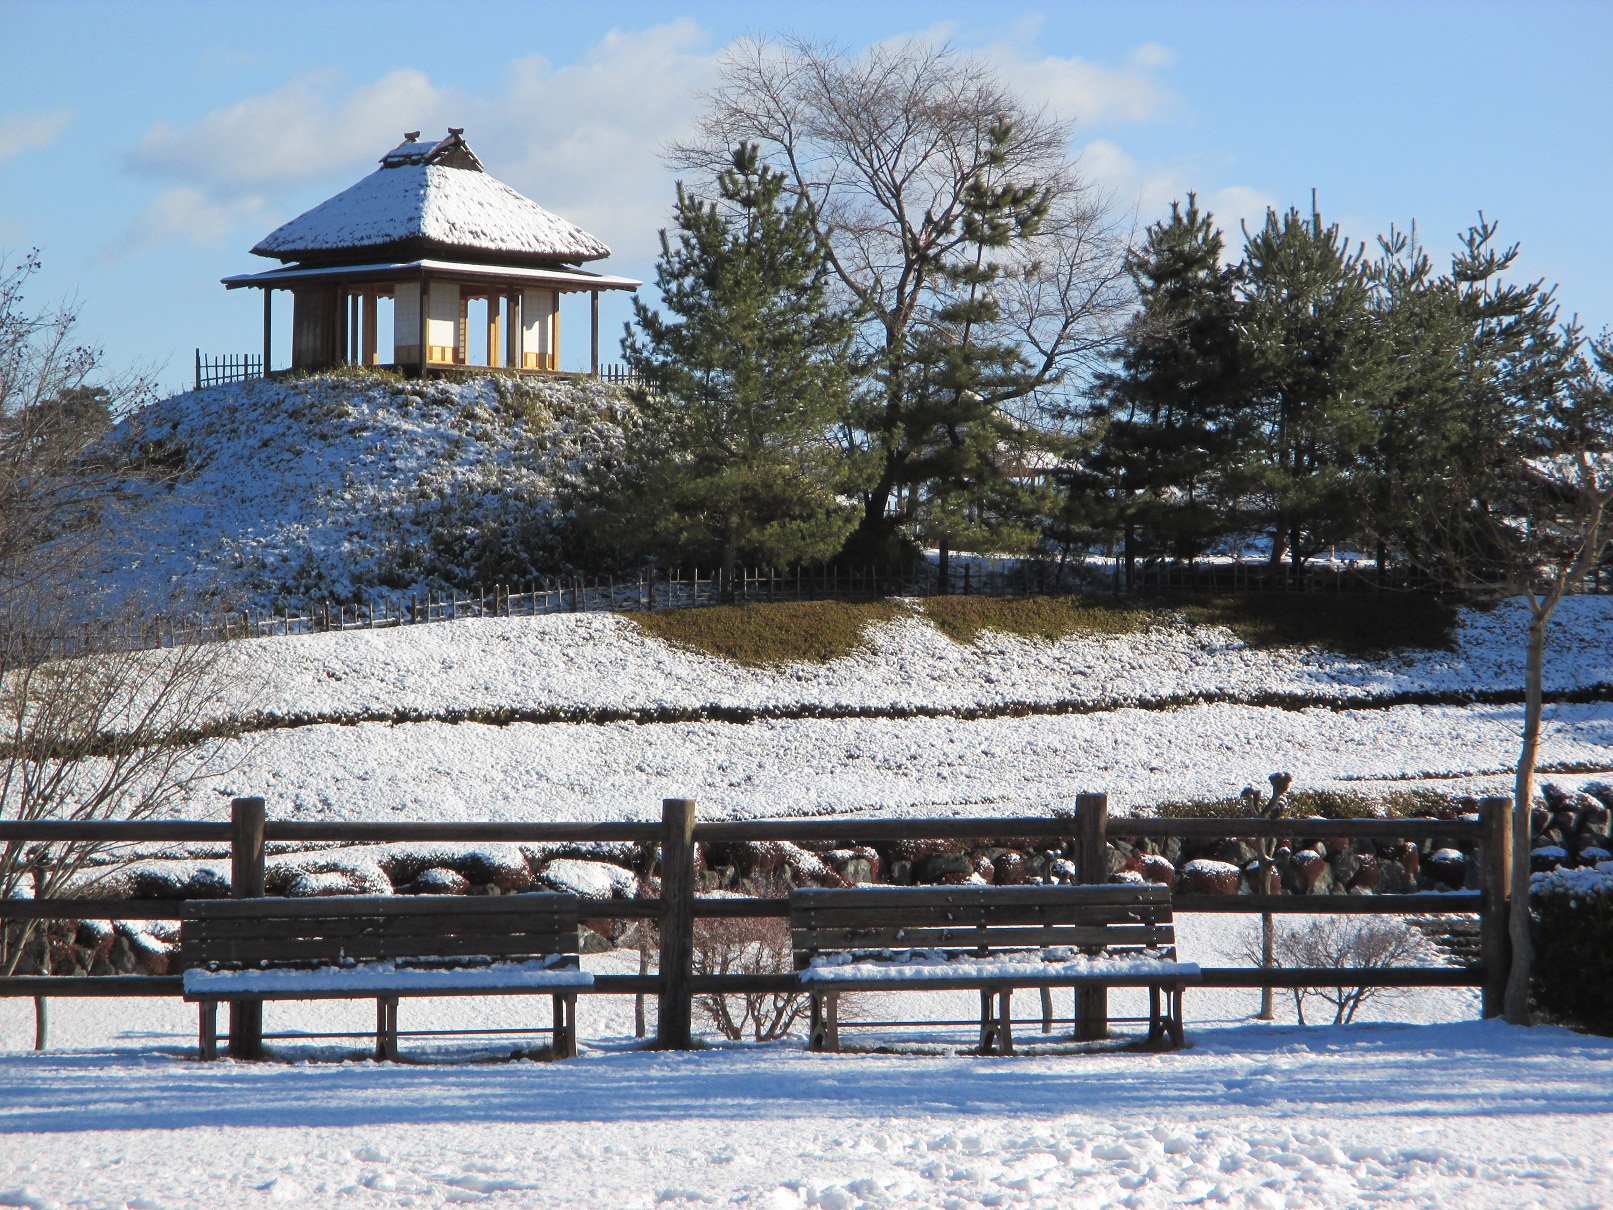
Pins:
x,y
1148,192
20,132
299,133
583,139
1151,56
1238,204
1087,92
182,213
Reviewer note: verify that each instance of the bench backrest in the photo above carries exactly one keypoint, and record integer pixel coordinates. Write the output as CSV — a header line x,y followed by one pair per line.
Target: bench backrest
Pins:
x,y
430,930
1112,918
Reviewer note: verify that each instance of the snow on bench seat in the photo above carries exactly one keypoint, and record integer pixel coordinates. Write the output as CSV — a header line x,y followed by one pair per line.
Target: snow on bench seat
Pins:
x,y
386,979
1034,965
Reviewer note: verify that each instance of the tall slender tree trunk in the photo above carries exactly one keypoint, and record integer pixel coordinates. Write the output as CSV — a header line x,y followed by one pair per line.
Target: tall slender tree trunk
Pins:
x,y
1516,1002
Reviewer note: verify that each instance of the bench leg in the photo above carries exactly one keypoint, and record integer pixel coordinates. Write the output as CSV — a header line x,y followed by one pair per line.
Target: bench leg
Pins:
x,y
207,1029
823,1021
1178,1038
386,1029
1047,1009
1092,1014
1156,1022
996,1021
565,1027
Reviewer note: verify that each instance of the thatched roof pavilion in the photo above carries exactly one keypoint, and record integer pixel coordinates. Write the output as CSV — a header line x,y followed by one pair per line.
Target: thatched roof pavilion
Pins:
x,y
433,232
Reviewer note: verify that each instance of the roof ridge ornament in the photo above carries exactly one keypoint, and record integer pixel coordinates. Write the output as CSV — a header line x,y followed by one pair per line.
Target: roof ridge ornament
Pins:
x,y
451,152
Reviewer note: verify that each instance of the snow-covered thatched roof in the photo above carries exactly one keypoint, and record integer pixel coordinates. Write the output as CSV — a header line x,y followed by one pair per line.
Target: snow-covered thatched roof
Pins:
x,y
431,199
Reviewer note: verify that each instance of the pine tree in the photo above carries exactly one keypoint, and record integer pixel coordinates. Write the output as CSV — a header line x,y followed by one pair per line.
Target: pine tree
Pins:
x,y
961,462
1314,358
1169,421
744,384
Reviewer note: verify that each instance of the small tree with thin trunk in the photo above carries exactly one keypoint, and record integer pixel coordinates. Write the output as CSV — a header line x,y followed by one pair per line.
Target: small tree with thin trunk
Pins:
x,y
1530,526
88,729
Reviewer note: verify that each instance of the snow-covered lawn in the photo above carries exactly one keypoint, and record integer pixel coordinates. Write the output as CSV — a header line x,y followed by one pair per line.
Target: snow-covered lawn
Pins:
x,y
1455,1116
421,771
1126,737
605,661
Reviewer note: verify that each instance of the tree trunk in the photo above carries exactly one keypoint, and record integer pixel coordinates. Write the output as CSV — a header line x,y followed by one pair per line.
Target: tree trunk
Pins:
x,y
1268,959
1517,995
943,567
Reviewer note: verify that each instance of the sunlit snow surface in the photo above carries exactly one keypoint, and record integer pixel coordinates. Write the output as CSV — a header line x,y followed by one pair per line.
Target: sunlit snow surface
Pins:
x,y
1135,731
1463,1115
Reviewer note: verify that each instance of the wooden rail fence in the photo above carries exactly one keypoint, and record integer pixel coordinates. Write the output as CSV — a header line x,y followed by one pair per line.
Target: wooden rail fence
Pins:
x,y
250,831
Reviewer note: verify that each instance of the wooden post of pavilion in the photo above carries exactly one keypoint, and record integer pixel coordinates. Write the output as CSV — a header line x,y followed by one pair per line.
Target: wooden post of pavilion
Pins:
x,y
425,298
493,350
366,351
512,334
593,333
268,295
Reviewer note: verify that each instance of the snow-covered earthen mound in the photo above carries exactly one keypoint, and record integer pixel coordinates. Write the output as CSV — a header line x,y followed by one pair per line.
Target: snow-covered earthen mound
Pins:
x,y
347,485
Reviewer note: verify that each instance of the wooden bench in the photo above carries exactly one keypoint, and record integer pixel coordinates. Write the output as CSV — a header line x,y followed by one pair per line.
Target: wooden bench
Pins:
x,y
990,939
343,948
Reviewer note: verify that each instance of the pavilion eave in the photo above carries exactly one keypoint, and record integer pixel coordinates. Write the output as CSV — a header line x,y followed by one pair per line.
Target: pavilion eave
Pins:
x,y
565,280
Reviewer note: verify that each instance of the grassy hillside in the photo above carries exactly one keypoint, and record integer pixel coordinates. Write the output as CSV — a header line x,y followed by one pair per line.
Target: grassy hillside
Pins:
x,y
820,631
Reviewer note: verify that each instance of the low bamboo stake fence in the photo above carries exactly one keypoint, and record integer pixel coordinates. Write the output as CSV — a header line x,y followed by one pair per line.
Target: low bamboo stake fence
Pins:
x,y
249,832
685,588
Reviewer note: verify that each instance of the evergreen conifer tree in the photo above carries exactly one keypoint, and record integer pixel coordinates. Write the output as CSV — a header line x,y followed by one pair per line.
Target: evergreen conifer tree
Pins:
x,y
1169,421
1315,362
962,457
744,383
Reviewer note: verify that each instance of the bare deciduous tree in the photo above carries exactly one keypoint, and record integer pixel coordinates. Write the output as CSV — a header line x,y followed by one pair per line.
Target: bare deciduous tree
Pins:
x,y
90,730
892,150
1338,943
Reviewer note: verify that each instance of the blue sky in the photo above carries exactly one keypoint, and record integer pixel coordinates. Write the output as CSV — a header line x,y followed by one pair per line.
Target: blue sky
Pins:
x,y
145,148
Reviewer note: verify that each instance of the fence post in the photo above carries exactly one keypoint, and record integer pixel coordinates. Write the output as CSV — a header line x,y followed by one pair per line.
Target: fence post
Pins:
x,y
675,1007
1495,945
246,882
1092,866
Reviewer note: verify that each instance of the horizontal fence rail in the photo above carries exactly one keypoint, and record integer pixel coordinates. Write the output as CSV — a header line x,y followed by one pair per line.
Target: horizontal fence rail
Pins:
x,y
1087,831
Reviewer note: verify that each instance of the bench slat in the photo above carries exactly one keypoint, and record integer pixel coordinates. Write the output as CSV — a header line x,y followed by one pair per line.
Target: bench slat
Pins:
x,y
1130,894
1148,936
545,923
1007,914
377,905
282,949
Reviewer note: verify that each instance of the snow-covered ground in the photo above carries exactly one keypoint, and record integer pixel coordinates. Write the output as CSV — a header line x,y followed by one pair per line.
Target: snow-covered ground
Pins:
x,y
1465,1115
425,771
603,661
1137,725
258,493
1419,1104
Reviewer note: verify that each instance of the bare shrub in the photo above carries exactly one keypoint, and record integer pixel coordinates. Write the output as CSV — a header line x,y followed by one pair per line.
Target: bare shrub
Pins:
x,y
1337,943
758,946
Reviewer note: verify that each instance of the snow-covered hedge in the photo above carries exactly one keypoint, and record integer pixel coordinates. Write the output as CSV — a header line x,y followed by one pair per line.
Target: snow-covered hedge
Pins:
x,y
1572,912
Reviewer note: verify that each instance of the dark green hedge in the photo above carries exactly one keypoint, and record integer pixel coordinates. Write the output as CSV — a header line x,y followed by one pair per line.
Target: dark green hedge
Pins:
x,y
1573,935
